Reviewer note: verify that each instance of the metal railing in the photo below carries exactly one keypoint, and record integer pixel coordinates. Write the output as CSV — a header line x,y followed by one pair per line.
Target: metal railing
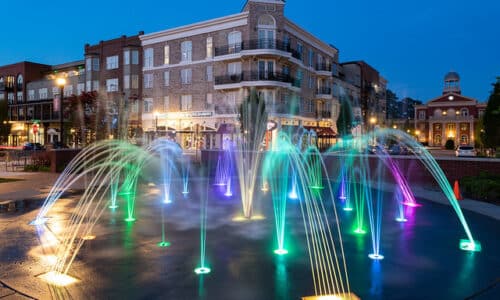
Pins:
x,y
324,67
254,44
323,91
254,76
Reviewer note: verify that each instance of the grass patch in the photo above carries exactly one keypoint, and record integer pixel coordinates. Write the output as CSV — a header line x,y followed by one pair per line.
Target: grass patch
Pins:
x,y
2,180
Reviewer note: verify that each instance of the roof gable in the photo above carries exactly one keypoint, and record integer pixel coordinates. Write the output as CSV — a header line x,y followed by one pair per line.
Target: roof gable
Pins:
x,y
455,98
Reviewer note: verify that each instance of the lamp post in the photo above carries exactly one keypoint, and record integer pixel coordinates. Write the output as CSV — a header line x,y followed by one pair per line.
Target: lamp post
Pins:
x,y
373,121
60,81
417,134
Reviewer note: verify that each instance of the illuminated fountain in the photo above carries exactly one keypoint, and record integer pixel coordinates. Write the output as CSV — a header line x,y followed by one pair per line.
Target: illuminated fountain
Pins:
x,y
105,163
247,152
324,242
290,171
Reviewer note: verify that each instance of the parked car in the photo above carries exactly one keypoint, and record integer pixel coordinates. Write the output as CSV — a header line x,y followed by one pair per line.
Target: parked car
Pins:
x,y
398,150
57,145
33,146
376,149
464,150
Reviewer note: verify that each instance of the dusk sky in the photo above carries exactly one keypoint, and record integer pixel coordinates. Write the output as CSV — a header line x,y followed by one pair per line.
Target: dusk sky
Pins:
x,y
413,44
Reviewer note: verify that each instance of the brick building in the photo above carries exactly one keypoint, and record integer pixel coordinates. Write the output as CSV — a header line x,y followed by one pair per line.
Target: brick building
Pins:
x,y
372,86
195,76
30,90
114,74
450,116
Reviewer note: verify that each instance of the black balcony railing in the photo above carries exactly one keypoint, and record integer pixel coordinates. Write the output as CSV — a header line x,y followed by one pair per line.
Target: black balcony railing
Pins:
x,y
324,91
254,76
325,114
324,67
253,45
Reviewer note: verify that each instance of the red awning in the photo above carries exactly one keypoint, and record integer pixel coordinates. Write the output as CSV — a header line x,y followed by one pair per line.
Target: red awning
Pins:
x,y
326,132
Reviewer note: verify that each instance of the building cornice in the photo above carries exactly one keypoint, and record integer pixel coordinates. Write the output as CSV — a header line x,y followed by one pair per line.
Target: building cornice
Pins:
x,y
217,24
309,38
450,104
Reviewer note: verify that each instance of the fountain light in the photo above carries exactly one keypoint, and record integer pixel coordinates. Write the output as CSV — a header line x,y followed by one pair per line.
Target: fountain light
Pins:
x,y
163,244
185,192
58,278
467,245
293,195
130,219
113,206
411,204
375,256
88,237
241,218
339,296
401,219
347,208
202,270
281,251
38,221
359,231
317,187
167,200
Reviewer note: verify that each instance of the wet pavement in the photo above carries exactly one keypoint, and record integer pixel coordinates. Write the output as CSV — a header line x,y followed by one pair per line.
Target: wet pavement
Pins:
x,y
422,259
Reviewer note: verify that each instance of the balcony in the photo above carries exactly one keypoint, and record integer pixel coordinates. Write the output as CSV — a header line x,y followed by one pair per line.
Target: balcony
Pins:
x,y
226,109
324,93
324,69
324,114
257,44
243,79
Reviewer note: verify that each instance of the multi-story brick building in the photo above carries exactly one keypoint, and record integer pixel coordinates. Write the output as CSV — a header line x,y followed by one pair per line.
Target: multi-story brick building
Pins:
x,y
450,116
30,90
114,73
372,89
195,76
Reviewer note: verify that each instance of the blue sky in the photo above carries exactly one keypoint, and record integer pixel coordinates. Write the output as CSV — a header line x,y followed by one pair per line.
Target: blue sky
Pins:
x,y
412,43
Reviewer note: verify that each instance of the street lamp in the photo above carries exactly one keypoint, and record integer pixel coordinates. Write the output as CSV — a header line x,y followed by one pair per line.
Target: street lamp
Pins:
x,y
417,134
61,81
373,121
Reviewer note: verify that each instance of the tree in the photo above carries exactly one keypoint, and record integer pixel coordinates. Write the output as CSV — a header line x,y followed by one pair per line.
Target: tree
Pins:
x,y
491,119
345,119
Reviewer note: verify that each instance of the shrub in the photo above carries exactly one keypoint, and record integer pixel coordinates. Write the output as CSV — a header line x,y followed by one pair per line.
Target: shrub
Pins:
x,y
450,145
485,187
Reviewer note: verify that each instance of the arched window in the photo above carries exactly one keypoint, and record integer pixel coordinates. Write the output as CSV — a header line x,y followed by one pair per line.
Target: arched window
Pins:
x,y
267,32
234,42
464,112
20,81
438,112
451,112
267,21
